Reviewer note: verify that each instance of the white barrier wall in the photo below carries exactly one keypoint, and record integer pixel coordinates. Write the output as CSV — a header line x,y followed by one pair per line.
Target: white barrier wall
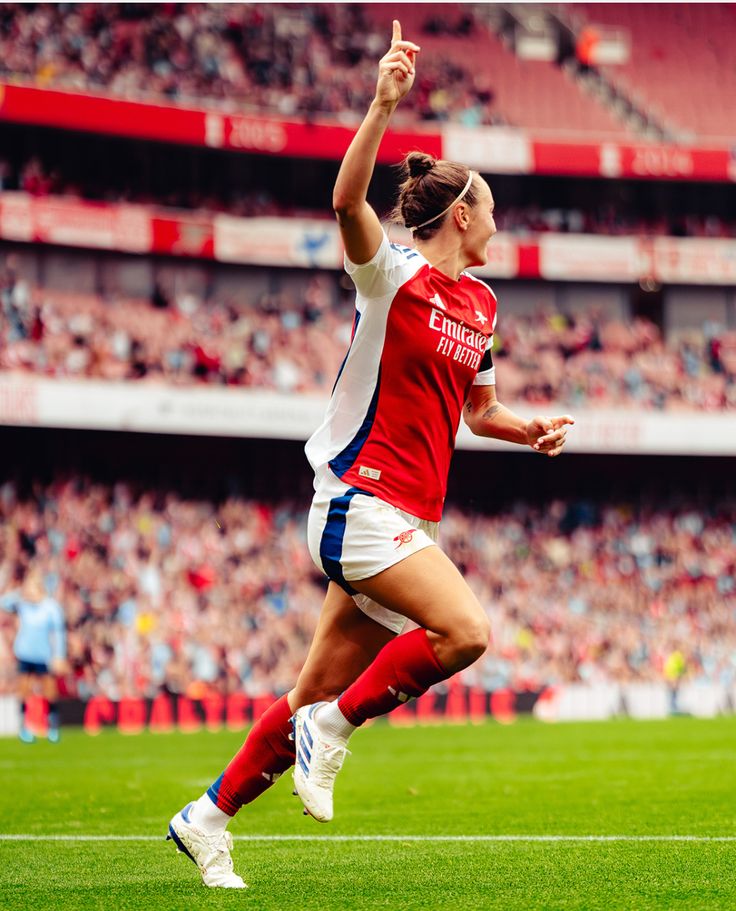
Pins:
x,y
9,718
582,702
27,401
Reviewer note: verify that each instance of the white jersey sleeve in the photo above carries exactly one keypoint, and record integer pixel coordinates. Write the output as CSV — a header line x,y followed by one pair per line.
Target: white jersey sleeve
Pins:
x,y
379,278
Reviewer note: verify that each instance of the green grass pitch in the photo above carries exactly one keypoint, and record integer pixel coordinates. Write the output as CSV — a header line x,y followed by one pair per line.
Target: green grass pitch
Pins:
x,y
623,778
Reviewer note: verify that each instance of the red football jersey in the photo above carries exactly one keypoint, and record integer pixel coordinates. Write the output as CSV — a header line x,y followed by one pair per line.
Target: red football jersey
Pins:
x,y
421,340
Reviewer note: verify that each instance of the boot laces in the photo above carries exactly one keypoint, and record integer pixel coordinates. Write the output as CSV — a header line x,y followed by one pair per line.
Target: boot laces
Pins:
x,y
329,764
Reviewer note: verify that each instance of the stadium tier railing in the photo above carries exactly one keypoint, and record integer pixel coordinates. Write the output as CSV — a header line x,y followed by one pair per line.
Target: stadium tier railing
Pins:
x,y
662,37
501,150
315,243
86,404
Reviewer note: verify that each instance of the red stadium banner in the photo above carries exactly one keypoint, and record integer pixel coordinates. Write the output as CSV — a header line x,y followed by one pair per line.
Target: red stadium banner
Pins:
x,y
182,234
104,226
270,136
197,127
645,161
101,114
136,714
703,261
58,220
315,243
493,150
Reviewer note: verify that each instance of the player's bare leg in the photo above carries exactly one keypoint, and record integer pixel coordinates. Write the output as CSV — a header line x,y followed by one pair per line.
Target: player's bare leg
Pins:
x,y
345,643
25,690
453,633
50,691
428,588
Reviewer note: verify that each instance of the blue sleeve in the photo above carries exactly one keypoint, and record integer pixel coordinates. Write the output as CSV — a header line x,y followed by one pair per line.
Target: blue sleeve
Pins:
x,y
9,602
58,630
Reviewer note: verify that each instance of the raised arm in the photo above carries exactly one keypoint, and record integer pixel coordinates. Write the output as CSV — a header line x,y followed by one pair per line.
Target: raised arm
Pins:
x,y
487,417
359,225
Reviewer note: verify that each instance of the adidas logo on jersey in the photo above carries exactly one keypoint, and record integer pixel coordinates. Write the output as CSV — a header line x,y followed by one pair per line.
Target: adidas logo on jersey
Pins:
x,y
437,301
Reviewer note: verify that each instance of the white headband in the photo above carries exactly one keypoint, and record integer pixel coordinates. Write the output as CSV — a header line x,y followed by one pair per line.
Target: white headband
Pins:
x,y
445,211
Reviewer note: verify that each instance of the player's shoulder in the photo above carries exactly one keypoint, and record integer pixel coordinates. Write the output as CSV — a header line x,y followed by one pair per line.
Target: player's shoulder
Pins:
x,y
481,285
402,255
388,256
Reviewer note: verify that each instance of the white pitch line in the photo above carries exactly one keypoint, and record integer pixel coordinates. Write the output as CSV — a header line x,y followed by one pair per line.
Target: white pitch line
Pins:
x,y
395,838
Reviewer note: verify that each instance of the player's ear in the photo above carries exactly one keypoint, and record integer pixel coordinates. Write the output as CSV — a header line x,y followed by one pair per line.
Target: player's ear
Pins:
x,y
462,216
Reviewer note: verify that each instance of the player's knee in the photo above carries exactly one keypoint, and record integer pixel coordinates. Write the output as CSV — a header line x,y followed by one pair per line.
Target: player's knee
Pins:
x,y
471,639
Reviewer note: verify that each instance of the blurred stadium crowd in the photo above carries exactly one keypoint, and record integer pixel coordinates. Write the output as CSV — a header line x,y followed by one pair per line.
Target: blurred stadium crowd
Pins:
x,y
318,59
304,60
166,593
193,596
296,345
289,60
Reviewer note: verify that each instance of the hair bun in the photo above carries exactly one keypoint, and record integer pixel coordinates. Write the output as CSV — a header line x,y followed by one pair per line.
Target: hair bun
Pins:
x,y
419,163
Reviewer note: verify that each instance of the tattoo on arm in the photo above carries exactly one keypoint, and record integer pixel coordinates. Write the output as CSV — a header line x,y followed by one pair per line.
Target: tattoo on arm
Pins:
x,y
491,412
468,407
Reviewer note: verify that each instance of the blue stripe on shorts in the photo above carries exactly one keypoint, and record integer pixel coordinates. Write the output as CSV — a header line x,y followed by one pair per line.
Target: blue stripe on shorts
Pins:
x,y
330,547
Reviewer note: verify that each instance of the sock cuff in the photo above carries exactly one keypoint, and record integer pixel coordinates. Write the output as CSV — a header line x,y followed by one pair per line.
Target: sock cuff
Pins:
x,y
223,797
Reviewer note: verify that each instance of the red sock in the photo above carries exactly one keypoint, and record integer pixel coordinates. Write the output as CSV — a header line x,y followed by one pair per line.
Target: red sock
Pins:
x,y
267,752
406,667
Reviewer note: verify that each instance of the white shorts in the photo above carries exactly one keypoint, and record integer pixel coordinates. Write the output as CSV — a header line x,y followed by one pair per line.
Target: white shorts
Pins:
x,y
354,535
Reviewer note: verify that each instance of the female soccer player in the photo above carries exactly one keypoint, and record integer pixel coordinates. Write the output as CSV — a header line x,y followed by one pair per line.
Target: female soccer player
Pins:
x,y
40,647
419,357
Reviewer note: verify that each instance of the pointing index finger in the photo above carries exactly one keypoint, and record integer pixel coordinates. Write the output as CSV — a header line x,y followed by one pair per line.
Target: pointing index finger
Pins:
x,y
397,31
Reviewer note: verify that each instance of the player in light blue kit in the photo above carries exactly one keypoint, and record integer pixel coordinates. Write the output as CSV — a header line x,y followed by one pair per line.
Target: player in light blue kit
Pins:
x,y
40,647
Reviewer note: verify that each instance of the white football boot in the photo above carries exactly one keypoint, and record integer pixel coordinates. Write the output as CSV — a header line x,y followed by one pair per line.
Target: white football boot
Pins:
x,y
318,760
210,853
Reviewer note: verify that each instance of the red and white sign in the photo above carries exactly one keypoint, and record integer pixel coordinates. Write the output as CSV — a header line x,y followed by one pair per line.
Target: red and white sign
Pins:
x,y
586,257
315,243
503,258
692,260
494,150
104,226
182,234
197,127
648,161
56,220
